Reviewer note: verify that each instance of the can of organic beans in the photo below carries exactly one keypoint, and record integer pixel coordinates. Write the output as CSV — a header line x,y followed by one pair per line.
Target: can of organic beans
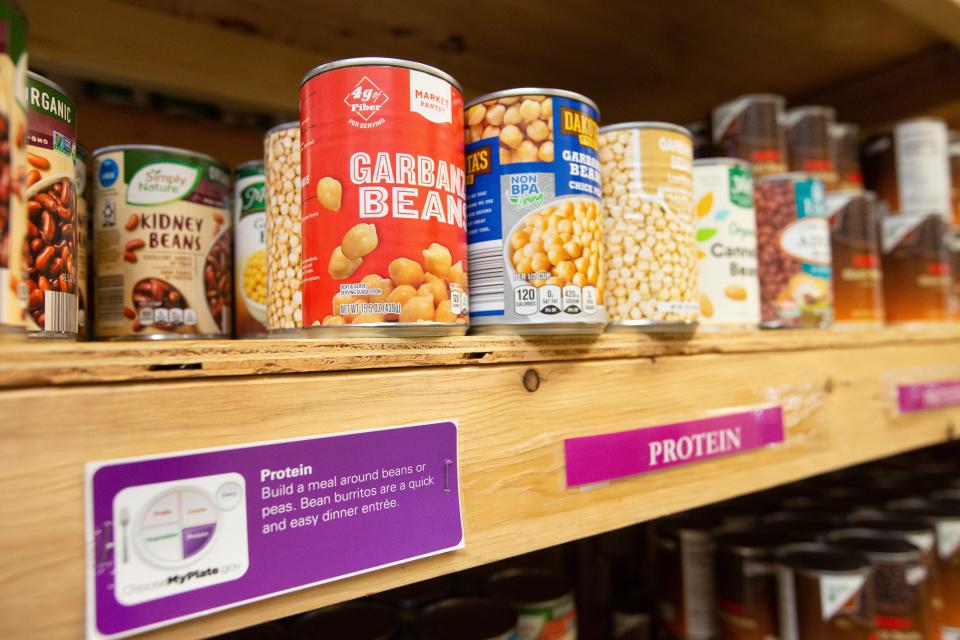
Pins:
x,y
13,137
809,144
649,230
534,218
162,244
751,128
457,618
727,244
50,250
855,247
84,253
845,143
384,211
793,238
281,163
900,581
824,593
543,601
917,282
909,168
250,251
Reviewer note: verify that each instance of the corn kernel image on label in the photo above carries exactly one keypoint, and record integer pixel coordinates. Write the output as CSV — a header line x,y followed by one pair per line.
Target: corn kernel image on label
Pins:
x,y
384,215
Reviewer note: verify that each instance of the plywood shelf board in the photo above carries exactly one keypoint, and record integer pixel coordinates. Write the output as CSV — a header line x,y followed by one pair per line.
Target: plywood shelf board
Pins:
x,y
511,449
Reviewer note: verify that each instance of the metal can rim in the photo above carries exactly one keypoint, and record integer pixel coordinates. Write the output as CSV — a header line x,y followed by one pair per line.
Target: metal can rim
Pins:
x,y
158,147
533,91
792,175
932,119
374,61
647,124
773,97
721,161
812,109
248,163
293,124
853,191
33,75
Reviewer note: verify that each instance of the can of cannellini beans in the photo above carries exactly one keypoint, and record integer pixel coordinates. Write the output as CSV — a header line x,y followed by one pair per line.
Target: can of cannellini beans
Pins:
x,y
50,250
250,251
163,244
384,217
13,136
535,220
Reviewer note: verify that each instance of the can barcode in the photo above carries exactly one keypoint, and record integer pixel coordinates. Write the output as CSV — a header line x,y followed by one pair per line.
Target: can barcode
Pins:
x,y
60,312
486,275
109,296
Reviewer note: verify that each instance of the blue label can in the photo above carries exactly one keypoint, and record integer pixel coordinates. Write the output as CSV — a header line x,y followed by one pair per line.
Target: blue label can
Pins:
x,y
534,215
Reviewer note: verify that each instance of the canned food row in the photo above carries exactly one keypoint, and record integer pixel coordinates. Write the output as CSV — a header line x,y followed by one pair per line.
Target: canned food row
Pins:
x,y
393,208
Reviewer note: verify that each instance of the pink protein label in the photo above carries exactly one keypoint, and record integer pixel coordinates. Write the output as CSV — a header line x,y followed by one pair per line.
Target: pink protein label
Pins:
x,y
616,455
928,395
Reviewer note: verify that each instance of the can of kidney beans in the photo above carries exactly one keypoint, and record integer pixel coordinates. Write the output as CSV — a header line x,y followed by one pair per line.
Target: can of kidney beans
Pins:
x,y
84,248
250,250
909,168
650,230
751,128
50,250
793,237
543,602
535,222
809,144
917,282
727,244
855,247
456,618
824,592
845,142
163,244
899,580
384,215
13,137
281,164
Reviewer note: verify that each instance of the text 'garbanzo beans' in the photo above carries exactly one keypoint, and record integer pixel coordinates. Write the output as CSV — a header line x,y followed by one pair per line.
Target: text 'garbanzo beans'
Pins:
x,y
281,153
384,224
649,236
535,221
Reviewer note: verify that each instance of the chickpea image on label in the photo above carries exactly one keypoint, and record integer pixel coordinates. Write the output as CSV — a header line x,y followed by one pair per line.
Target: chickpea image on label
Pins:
x,y
329,193
360,240
437,259
562,244
524,125
340,266
406,271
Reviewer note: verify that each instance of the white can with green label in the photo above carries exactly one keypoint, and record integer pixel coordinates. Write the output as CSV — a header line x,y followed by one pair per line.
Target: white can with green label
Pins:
x,y
250,251
726,244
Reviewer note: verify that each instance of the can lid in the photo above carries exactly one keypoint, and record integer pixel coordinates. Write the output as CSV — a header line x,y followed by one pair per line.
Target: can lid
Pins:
x,y
841,128
892,522
157,147
930,119
523,586
787,175
927,509
381,62
640,124
796,113
752,543
36,77
875,543
821,558
701,520
295,124
452,618
534,91
758,97
721,161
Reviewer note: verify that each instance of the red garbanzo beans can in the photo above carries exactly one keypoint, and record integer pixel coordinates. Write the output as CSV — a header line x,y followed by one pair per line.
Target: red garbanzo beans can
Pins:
x,y
384,209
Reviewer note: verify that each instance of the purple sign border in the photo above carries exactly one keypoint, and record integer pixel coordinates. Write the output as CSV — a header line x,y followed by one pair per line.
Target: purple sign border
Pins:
x,y
186,464
592,459
917,397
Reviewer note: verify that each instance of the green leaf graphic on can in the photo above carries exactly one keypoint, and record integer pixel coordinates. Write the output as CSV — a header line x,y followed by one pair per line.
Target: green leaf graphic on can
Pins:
x,y
705,234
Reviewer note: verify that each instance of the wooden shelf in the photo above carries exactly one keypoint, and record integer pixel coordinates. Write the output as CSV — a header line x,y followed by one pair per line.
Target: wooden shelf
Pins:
x,y
835,387
32,363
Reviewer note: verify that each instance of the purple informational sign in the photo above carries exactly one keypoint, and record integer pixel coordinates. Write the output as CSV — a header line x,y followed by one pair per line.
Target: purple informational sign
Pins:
x,y
181,535
928,395
616,455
